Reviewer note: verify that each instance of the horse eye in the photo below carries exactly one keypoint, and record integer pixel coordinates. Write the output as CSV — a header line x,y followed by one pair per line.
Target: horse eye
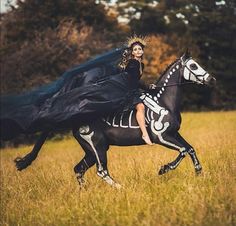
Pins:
x,y
193,67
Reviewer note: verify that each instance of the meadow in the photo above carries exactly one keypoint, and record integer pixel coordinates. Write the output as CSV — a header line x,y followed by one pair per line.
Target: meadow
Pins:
x,y
47,192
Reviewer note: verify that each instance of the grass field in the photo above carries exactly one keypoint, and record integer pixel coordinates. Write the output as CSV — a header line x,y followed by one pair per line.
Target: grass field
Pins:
x,y
47,192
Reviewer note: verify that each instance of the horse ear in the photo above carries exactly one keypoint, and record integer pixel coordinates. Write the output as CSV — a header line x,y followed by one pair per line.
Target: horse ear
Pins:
x,y
186,55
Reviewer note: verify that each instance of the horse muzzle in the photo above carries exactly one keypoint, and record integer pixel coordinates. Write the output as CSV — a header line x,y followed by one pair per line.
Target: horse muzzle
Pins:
x,y
210,80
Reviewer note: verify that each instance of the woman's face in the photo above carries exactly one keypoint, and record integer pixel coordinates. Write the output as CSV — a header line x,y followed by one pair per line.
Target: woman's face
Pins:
x,y
137,51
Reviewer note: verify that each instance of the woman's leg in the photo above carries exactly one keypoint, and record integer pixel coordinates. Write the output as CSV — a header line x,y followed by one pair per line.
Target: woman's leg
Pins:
x,y
141,121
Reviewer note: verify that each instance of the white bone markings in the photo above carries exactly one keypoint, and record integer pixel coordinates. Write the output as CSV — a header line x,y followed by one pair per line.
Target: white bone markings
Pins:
x,y
198,75
84,133
83,130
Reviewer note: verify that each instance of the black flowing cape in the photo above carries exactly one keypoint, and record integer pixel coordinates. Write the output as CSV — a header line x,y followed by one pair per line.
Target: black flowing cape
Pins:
x,y
97,87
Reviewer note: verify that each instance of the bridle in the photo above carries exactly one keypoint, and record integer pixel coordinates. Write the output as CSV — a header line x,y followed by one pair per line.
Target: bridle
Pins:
x,y
184,65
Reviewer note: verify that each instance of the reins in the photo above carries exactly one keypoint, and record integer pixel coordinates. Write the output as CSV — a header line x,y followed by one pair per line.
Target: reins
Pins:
x,y
175,84
182,83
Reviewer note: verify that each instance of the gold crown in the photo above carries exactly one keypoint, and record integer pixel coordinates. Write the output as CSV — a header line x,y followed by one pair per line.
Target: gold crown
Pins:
x,y
135,38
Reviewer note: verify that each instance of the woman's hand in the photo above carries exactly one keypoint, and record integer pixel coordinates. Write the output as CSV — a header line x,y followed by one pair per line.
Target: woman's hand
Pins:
x,y
152,86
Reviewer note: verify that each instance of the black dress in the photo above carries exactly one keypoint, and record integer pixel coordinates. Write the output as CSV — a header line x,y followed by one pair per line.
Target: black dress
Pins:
x,y
134,69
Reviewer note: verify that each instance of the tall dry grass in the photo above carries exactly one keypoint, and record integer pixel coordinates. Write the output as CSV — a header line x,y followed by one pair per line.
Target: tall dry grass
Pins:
x,y
47,192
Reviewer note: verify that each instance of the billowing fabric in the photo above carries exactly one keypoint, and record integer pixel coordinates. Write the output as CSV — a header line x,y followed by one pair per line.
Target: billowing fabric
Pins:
x,y
56,105
88,91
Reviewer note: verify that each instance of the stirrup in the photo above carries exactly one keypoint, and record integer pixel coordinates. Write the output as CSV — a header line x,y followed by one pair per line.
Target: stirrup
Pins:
x,y
147,140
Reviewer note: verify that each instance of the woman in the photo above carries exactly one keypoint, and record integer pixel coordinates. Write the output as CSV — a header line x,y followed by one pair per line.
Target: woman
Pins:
x,y
133,65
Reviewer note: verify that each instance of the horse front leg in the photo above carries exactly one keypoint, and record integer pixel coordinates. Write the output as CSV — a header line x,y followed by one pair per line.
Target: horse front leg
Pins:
x,y
193,155
196,163
95,146
177,142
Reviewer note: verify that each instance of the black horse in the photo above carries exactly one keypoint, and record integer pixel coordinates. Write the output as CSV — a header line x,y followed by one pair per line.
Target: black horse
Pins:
x,y
163,121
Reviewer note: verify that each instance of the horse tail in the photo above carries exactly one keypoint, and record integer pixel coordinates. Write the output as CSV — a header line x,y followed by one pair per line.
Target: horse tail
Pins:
x,y
24,162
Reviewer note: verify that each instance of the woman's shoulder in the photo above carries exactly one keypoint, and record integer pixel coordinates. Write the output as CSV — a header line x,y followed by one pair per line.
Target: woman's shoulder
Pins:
x,y
133,62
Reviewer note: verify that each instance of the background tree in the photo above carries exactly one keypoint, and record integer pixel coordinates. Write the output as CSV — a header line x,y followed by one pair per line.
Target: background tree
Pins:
x,y
41,39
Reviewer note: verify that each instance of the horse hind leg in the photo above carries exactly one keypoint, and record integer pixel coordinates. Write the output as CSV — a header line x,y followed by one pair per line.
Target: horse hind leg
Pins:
x,y
80,169
94,144
105,176
87,162
23,162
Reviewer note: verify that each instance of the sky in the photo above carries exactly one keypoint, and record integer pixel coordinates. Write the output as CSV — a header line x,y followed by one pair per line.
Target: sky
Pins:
x,y
3,3
4,8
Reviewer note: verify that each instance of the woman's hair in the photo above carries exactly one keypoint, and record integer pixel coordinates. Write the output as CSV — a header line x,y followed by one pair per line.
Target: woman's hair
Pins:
x,y
127,55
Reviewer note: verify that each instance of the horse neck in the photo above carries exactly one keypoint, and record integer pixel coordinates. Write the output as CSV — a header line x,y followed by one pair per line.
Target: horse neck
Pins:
x,y
169,91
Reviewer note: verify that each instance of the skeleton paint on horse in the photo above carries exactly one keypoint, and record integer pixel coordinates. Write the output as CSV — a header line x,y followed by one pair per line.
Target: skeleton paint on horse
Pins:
x,y
163,121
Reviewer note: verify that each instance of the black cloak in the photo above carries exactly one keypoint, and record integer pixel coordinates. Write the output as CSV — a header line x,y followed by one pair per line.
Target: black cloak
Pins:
x,y
92,89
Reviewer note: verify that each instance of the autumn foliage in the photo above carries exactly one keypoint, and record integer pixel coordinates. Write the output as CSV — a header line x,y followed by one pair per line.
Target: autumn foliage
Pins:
x,y
158,55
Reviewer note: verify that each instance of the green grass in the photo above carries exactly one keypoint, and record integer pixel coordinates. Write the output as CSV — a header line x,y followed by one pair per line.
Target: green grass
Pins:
x,y
47,192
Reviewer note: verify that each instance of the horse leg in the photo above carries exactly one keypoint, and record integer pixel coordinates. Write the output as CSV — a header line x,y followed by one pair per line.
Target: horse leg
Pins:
x,y
177,142
95,146
196,163
192,154
24,162
88,161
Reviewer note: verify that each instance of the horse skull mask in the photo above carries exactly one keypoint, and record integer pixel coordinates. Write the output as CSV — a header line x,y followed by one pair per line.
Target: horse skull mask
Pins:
x,y
192,71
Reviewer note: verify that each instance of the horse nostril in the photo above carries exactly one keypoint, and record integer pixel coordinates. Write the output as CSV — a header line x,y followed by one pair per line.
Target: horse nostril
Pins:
x,y
211,80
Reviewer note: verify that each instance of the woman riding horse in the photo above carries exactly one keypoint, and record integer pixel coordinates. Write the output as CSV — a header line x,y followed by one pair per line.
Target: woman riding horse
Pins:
x,y
98,86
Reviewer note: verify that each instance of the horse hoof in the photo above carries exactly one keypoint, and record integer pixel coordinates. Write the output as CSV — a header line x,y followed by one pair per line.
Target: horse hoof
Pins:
x,y
108,179
117,185
198,169
20,163
80,179
164,169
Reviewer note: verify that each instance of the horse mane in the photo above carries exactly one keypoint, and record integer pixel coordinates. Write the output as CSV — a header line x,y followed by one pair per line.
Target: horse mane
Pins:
x,y
167,68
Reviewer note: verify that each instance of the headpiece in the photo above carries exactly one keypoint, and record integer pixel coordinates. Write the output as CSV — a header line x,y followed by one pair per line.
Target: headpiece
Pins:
x,y
141,40
137,39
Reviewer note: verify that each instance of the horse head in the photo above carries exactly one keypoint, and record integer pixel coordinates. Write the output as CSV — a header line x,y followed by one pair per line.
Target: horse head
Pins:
x,y
193,72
